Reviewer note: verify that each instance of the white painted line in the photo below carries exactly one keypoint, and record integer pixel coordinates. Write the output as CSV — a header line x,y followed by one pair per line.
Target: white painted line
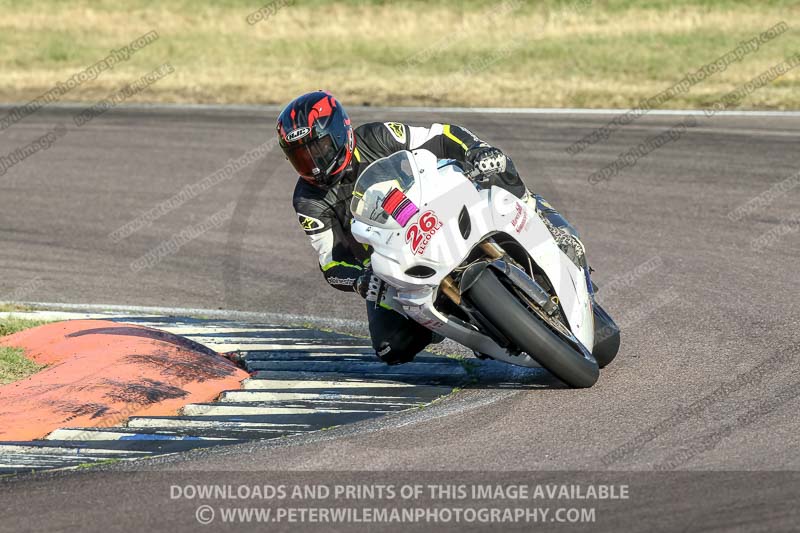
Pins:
x,y
61,451
54,316
306,340
275,109
257,347
225,314
213,424
233,410
248,396
27,465
270,375
84,435
583,111
255,384
264,356
28,462
213,330
367,368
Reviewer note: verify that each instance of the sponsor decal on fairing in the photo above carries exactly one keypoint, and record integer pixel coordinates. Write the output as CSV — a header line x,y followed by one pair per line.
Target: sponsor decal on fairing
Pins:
x,y
422,231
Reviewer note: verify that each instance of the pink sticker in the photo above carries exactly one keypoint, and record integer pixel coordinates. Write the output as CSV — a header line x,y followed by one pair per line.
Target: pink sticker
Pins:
x,y
405,214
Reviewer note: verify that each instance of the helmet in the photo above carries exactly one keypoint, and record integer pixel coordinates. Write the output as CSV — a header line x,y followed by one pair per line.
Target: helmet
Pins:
x,y
317,138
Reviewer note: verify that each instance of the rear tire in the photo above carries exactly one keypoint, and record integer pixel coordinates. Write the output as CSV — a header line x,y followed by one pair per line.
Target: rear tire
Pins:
x,y
529,333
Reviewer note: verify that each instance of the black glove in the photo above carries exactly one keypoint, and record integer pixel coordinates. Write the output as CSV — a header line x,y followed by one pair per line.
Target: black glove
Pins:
x,y
487,159
368,285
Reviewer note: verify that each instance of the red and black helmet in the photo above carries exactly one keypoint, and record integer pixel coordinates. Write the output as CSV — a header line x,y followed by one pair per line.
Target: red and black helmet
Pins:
x,y
317,138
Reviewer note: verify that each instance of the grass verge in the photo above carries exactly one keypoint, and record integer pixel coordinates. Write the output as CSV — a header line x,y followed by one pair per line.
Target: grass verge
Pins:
x,y
13,363
11,324
15,366
11,308
549,53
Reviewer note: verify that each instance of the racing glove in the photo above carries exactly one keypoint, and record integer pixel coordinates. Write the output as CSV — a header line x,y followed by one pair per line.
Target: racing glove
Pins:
x,y
487,159
368,285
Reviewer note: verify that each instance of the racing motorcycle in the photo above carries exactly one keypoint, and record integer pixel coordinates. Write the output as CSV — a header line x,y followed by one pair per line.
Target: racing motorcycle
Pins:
x,y
476,264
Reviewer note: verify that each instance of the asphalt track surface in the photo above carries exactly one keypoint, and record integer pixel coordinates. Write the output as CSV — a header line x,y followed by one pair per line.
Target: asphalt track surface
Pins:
x,y
706,380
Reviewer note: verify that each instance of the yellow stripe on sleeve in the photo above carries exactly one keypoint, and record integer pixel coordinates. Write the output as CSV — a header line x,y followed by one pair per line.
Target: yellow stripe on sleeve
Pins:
x,y
449,135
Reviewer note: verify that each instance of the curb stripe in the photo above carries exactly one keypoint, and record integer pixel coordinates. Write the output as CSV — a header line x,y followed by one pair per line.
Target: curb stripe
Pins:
x,y
314,380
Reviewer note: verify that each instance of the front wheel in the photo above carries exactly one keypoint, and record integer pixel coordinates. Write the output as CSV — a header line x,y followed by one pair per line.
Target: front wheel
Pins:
x,y
606,336
529,334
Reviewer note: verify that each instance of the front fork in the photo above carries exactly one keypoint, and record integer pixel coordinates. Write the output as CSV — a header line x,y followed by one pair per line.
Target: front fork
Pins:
x,y
449,287
500,262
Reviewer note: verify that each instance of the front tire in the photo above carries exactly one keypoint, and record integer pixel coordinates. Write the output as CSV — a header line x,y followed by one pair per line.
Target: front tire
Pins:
x,y
606,336
529,334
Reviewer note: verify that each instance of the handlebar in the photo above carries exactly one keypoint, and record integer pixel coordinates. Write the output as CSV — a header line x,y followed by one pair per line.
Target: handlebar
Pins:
x,y
472,174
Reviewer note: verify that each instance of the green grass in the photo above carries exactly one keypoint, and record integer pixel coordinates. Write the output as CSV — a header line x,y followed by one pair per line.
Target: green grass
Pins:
x,y
12,324
11,308
97,464
608,53
15,366
13,363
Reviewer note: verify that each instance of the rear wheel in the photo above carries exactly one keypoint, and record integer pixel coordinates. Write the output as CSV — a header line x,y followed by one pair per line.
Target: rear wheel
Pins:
x,y
530,334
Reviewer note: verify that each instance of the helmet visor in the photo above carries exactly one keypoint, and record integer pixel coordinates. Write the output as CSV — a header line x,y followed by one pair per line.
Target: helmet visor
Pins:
x,y
315,158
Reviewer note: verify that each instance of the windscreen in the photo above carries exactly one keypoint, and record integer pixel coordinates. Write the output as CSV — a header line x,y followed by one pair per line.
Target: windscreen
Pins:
x,y
382,193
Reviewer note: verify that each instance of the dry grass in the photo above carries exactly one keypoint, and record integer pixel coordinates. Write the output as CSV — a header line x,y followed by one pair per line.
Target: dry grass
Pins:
x,y
11,308
540,54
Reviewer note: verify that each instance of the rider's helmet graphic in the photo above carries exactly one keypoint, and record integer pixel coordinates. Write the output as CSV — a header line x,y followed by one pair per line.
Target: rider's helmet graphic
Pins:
x,y
317,138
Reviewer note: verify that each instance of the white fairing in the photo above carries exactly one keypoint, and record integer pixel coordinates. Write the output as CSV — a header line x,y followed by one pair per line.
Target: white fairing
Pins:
x,y
440,194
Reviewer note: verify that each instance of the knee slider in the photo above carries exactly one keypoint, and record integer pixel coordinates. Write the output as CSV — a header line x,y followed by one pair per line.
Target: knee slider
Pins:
x,y
404,345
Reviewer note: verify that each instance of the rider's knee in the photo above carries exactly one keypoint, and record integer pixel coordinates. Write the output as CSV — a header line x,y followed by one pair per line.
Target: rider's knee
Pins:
x,y
403,346
393,356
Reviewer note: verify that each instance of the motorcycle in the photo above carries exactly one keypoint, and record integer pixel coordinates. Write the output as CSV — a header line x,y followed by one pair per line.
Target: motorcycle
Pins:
x,y
474,263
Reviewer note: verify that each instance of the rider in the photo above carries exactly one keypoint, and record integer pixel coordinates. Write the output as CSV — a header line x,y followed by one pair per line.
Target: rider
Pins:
x,y
319,141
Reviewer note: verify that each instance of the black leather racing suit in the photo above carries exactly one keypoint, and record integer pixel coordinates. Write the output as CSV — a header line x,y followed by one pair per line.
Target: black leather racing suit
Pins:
x,y
325,216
